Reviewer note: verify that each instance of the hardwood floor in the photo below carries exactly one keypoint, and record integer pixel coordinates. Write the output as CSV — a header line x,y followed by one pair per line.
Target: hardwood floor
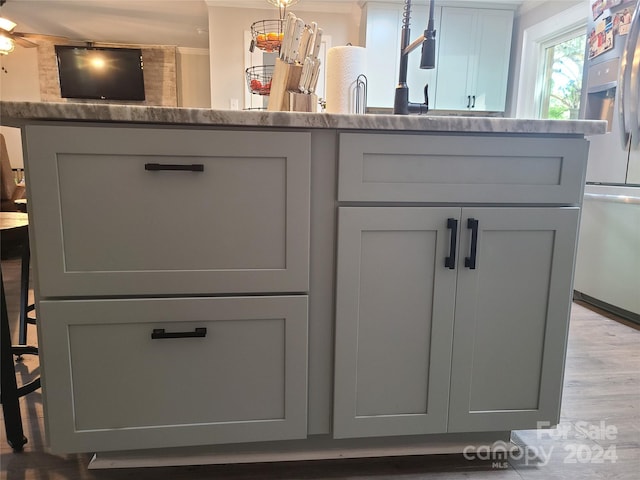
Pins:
x,y
598,437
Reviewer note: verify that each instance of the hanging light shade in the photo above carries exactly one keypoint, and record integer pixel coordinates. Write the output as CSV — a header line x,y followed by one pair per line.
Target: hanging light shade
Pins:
x,y
6,45
282,5
6,24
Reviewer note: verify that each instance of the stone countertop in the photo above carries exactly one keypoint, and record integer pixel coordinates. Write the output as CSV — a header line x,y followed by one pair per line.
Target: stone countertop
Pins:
x,y
18,113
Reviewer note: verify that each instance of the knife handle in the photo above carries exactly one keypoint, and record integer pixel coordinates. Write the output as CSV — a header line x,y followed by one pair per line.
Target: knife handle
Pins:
x,y
304,44
295,39
317,43
315,74
305,76
312,41
285,47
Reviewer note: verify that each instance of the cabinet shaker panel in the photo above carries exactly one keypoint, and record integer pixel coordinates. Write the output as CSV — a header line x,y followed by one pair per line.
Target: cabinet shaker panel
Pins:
x,y
394,305
123,374
473,59
492,60
461,305
511,317
169,211
460,168
382,40
382,36
455,47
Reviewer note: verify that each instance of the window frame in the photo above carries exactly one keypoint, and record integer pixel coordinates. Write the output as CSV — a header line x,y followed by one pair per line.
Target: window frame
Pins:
x,y
543,66
532,52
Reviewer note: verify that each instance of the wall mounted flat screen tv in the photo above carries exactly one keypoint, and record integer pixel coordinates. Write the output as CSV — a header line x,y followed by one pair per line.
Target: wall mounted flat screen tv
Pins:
x,y
100,73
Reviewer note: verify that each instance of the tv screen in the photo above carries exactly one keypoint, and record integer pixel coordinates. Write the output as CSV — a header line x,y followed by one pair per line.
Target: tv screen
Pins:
x,y
100,73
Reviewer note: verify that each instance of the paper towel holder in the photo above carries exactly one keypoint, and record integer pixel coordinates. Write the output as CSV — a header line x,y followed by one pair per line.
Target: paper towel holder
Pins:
x,y
361,94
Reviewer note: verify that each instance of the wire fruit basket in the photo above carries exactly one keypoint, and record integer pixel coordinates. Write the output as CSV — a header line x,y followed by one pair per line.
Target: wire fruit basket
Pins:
x,y
267,35
259,79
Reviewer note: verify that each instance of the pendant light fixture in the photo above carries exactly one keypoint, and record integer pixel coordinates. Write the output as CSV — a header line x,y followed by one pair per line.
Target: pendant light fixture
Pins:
x,y
282,6
6,43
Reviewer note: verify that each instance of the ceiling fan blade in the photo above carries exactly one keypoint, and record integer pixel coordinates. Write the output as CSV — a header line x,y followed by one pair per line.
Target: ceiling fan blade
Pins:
x,y
23,42
37,36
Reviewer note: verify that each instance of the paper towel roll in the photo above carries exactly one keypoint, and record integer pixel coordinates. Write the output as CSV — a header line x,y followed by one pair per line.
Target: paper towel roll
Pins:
x,y
344,64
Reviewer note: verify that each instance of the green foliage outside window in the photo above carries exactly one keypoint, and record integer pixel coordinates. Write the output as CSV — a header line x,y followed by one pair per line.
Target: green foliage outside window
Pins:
x,y
563,79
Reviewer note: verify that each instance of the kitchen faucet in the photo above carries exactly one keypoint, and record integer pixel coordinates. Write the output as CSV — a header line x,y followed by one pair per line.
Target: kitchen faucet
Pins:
x,y
401,103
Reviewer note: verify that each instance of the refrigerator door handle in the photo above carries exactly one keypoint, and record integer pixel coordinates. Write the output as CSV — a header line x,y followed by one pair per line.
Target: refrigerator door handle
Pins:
x,y
629,84
606,197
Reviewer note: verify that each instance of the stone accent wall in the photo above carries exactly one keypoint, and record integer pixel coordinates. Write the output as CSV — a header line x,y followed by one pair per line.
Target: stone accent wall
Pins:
x,y
159,75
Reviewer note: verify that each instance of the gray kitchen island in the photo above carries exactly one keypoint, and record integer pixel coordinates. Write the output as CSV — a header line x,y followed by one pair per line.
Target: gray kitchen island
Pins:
x,y
223,286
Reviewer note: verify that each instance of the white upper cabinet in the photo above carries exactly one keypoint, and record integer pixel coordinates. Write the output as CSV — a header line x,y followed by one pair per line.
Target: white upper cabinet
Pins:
x,y
418,78
382,33
382,41
474,46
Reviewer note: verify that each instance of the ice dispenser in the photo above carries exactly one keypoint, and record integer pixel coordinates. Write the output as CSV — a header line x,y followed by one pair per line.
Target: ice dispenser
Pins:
x,y
601,92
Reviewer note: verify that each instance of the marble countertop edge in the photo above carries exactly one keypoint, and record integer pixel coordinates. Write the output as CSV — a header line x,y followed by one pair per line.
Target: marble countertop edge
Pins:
x,y
17,113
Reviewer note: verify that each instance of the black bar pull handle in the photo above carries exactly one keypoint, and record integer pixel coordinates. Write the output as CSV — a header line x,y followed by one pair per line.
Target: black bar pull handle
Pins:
x,y
473,105
155,167
161,333
470,262
468,101
426,95
450,261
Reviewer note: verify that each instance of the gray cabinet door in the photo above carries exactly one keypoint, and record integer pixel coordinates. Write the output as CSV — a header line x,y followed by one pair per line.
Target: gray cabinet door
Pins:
x,y
394,310
512,317
110,385
105,224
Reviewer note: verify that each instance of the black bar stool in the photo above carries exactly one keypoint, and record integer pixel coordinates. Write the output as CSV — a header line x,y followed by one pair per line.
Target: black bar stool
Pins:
x,y
25,307
14,229
15,226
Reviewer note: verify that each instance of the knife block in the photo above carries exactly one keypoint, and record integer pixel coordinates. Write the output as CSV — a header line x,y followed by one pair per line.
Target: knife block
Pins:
x,y
286,76
302,102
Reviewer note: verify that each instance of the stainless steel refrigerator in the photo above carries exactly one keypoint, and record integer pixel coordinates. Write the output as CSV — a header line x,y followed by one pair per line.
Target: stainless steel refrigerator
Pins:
x,y
608,259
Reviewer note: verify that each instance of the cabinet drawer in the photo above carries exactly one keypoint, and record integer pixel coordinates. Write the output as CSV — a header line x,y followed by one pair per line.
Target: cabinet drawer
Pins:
x,y
107,223
460,169
111,386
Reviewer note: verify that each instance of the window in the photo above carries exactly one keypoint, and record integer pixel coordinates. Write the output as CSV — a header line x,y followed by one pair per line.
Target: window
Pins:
x,y
561,76
530,84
